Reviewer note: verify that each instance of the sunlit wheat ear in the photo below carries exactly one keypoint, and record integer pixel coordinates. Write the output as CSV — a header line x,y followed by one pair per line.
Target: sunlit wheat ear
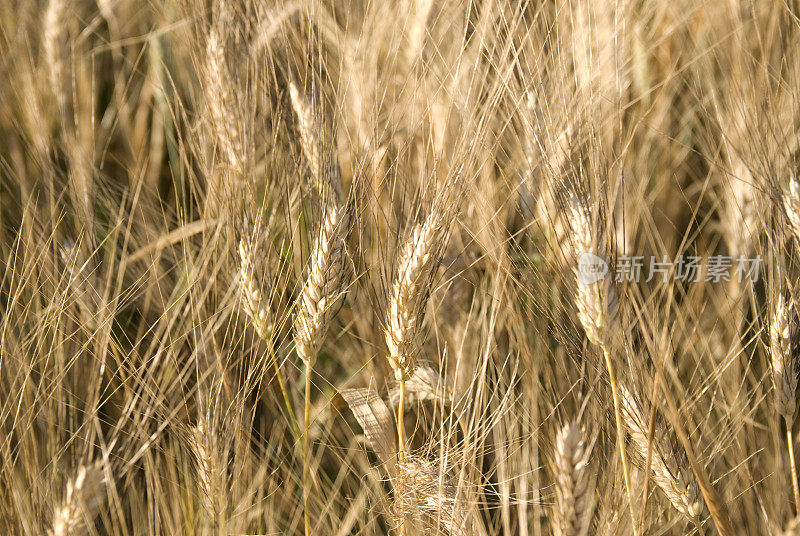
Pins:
x,y
427,499
741,216
574,483
409,292
54,43
220,95
323,284
791,203
782,335
784,364
211,472
595,298
255,304
669,467
84,496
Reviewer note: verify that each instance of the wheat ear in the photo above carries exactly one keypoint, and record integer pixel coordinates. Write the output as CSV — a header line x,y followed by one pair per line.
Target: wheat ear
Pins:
x,y
670,469
574,483
784,376
212,473
320,293
323,171
54,43
220,95
322,287
791,204
597,307
84,495
406,304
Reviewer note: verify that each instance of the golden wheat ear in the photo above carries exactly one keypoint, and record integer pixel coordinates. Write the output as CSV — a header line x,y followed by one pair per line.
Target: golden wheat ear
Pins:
x,y
669,467
428,498
782,333
83,498
791,205
211,471
785,367
574,482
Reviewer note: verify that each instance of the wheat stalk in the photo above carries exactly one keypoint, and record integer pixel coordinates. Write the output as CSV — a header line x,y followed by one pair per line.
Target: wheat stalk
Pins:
x,y
782,333
670,469
597,307
323,285
406,303
320,292
84,495
574,483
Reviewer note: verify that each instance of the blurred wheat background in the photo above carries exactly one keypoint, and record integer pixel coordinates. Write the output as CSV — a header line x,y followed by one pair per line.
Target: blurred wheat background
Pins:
x,y
312,267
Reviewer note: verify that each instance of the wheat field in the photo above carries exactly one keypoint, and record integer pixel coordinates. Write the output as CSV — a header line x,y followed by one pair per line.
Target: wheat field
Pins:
x,y
399,267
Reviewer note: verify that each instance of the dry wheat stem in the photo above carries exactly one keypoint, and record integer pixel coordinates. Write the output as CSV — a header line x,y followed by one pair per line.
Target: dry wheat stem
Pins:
x,y
793,467
306,451
669,469
321,291
574,483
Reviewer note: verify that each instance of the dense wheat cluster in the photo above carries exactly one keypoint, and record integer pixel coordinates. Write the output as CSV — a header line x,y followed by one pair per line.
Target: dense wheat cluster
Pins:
x,y
399,267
